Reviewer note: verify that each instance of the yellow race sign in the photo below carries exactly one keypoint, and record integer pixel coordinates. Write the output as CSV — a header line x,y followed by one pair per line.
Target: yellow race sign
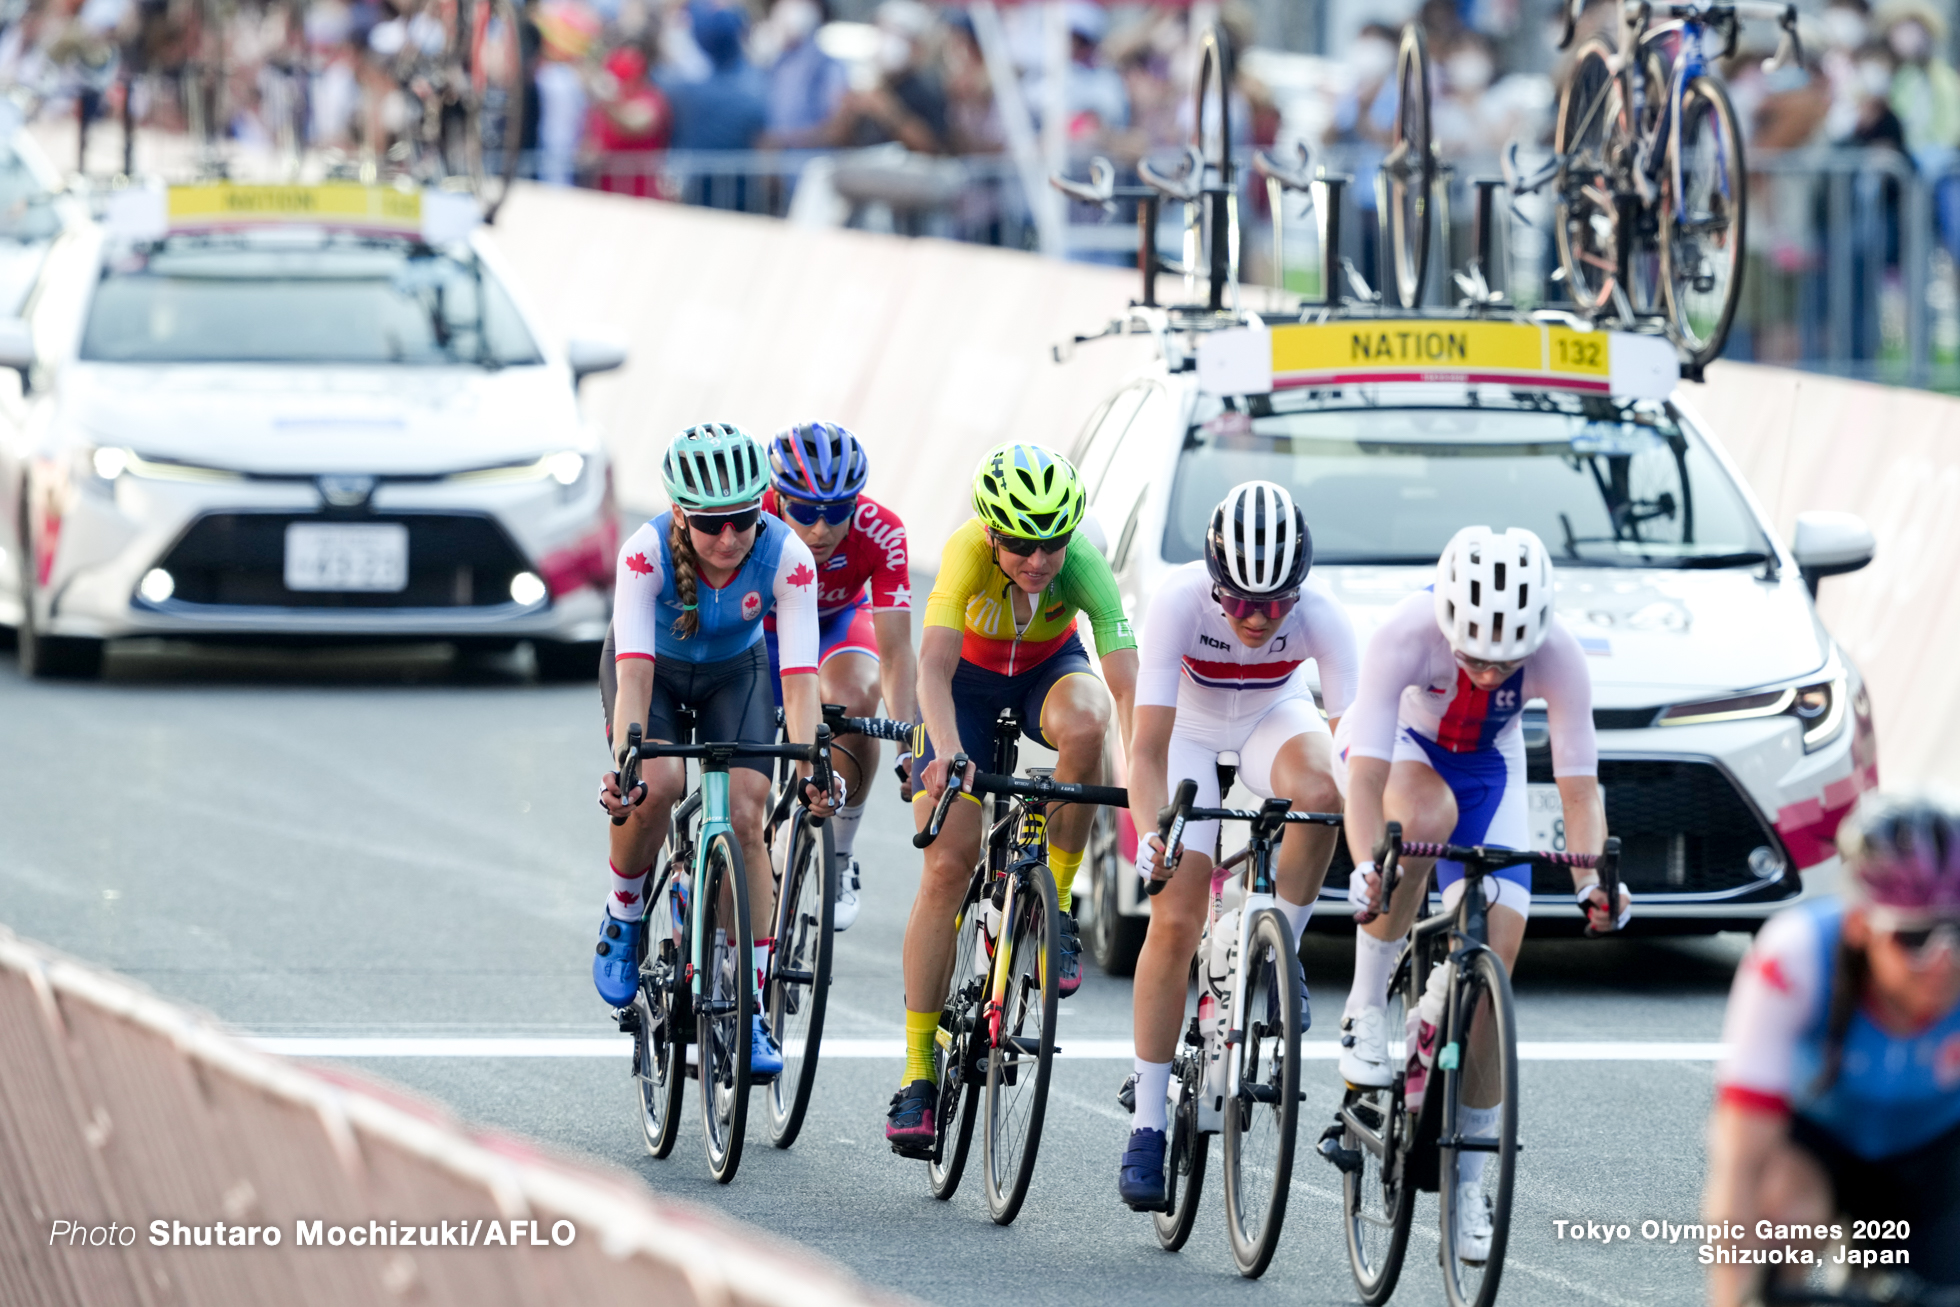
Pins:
x,y
1415,349
335,204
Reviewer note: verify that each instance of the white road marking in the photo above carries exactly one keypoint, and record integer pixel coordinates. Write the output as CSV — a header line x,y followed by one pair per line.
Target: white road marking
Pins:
x,y
1319,1050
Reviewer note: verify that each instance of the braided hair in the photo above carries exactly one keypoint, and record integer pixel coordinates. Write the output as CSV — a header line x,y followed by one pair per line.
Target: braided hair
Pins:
x,y
686,564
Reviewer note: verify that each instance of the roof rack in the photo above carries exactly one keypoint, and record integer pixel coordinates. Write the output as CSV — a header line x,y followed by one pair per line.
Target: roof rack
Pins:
x,y
1482,337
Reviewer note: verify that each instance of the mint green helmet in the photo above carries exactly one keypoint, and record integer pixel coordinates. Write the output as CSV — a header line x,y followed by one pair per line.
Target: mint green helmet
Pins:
x,y
714,465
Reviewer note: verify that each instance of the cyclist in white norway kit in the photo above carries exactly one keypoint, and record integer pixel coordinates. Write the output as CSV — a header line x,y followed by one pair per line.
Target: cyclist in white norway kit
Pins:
x,y
1221,672
1435,741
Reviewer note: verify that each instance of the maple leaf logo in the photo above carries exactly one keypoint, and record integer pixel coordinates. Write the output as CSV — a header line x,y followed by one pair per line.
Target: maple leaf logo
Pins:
x,y
802,576
639,563
626,897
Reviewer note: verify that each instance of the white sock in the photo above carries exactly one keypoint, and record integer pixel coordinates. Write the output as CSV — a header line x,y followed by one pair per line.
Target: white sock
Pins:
x,y
1480,1122
1297,916
1374,963
844,829
1153,1084
765,950
624,903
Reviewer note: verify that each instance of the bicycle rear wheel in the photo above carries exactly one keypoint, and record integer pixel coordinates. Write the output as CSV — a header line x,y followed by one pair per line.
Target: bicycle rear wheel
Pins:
x,y
1019,1063
661,1006
722,1015
960,1075
1262,1119
1592,137
1474,1283
800,979
1184,1159
492,60
1378,1201
1702,222
1410,171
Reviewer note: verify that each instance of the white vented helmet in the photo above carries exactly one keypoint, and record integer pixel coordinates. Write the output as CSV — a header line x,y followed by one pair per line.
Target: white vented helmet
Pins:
x,y
1258,544
1494,593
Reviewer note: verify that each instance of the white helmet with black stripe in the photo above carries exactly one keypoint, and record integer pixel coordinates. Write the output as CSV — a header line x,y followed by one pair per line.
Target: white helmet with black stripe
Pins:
x,y
1258,546
1494,593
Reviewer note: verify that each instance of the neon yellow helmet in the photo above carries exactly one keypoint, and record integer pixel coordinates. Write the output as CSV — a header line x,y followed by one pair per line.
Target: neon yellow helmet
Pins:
x,y
1028,491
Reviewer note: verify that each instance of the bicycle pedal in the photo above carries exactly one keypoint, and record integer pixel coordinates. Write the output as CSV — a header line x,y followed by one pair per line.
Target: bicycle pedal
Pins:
x,y
913,1152
1127,1095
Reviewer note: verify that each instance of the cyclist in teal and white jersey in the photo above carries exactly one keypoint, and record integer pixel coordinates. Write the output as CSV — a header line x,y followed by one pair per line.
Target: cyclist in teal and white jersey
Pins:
x,y
1838,1099
1221,670
692,590
1435,741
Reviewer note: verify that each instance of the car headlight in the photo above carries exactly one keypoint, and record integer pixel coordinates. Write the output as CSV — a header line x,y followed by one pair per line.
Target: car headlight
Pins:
x,y
566,467
1818,705
101,466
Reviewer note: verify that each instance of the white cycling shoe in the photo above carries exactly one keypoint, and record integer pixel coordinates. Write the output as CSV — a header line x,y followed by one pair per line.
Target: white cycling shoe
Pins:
x,y
1472,1224
846,909
1364,1049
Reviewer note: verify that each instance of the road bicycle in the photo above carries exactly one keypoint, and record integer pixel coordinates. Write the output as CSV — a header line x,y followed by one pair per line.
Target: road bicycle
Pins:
x,y
1388,1146
804,862
1650,186
696,975
1238,1072
996,1035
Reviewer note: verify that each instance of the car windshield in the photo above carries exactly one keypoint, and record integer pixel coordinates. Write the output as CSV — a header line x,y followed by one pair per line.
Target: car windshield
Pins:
x,y
1603,487
294,298
27,210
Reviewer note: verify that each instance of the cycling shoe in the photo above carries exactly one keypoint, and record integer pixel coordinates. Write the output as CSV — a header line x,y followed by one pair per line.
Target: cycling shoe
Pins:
x,y
1141,1181
1071,977
765,1056
616,968
909,1125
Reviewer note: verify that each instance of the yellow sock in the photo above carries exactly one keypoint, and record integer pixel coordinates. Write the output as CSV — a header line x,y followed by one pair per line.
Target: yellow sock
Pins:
x,y
1064,864
921,1054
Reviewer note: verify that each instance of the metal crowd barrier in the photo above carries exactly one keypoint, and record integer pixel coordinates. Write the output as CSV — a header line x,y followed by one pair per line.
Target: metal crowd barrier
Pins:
x,y
125,1121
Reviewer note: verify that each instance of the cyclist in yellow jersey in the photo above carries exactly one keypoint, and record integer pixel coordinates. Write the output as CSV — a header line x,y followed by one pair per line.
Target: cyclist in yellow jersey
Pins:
x,y
1000,633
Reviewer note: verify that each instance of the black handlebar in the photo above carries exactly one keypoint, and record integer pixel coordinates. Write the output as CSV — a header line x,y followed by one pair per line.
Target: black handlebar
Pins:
x,y
629,770
955,786
1171,821
1042,789
1174,816
816,754
1390,849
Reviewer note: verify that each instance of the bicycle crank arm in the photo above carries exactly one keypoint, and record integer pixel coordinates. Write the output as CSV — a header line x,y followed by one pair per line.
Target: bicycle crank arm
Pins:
x,y
1476,1144
1348,1161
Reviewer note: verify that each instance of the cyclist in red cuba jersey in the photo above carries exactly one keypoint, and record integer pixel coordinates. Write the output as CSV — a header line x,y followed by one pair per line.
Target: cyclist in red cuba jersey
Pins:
x,y
864,606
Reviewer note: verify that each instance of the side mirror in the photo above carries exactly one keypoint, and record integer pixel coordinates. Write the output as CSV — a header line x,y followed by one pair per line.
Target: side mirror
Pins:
x,y
1093,531
588,355
16,345
1831,544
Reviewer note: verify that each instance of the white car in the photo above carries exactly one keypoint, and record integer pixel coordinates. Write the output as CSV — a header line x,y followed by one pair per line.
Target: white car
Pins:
x,y
1733,731
296,413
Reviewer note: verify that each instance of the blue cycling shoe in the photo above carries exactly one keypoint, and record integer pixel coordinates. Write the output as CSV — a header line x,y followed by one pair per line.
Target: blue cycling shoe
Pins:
x,y
765,1056
616,968
1141,1184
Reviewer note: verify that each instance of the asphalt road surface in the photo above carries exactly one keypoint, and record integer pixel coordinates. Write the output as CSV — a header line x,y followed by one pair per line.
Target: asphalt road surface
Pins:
x,y
335,846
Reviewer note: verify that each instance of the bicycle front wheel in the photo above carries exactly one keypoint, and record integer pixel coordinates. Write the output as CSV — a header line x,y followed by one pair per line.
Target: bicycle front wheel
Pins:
x,y
1262,1118
493,65
1378,1199
1023,1053
1702,223
1410,170
1184,1160
1591,139
723,1012
800,979
1472,1265
960,1073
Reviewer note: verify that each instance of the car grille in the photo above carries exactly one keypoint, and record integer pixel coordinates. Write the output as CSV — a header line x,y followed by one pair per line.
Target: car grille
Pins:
x,y
454,561
1683,828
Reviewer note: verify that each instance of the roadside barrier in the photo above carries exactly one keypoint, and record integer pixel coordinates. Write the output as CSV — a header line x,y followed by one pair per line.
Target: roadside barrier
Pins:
x,y
147,1157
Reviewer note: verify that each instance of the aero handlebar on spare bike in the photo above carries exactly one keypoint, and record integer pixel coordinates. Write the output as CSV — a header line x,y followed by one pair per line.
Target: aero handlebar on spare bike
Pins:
x,y
1174,816
637,751
1042,789
1390,849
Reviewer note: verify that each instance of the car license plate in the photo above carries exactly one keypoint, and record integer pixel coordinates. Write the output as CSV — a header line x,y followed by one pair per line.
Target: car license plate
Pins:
x,y
1547,817
367,556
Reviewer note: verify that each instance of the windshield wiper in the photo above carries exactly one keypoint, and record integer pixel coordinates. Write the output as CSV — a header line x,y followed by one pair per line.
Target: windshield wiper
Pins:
x,y
1744,558
1378,560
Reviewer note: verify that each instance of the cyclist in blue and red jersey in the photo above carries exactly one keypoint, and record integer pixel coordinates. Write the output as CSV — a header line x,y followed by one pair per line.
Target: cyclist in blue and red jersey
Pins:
x,y
864,607
1838,1098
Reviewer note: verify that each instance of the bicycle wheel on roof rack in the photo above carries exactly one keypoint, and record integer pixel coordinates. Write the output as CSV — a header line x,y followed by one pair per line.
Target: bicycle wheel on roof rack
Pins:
x,y
473,125
1408,172
1211,134
1704,206
1591,140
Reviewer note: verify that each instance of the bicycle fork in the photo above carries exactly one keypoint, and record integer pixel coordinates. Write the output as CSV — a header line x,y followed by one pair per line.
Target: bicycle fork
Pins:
x,y
997,983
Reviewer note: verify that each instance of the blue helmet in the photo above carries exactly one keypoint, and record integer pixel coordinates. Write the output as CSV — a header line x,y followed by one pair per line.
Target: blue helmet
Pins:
x,y
818,461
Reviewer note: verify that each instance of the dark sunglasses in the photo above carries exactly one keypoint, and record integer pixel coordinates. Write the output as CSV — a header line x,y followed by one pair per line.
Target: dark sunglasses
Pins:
x,y
1920,941
806,513
1274,609
713,524
1022,547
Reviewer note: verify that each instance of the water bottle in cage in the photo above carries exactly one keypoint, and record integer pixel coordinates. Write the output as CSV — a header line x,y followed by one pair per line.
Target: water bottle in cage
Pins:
x,y
989,926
